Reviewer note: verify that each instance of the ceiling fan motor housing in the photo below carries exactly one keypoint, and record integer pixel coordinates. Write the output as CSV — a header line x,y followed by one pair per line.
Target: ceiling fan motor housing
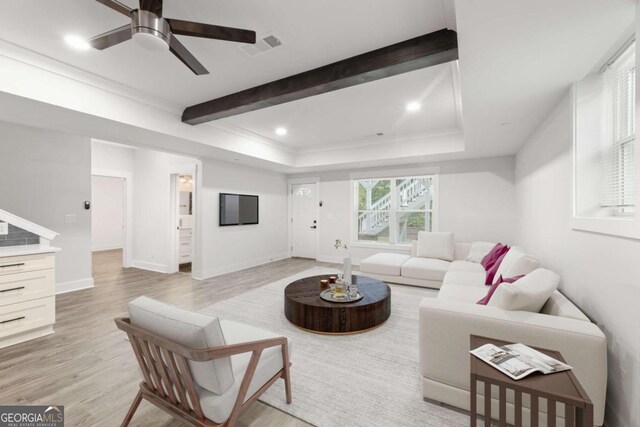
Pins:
x,y
150,30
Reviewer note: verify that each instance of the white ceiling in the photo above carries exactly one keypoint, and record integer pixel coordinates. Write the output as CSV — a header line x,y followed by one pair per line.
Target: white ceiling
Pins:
x,y
314,33
517,59
354,116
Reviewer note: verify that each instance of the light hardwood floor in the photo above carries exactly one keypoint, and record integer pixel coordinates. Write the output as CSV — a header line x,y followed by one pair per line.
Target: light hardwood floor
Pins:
x,y
87,365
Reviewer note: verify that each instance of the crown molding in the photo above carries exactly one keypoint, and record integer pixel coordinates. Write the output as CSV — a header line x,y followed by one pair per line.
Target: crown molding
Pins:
x,y
49,64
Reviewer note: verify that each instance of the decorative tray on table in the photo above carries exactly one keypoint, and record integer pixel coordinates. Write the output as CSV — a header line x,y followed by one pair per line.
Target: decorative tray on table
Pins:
x,y
345,297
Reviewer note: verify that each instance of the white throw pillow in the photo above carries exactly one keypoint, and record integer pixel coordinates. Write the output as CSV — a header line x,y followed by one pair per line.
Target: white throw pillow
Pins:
x,y
435,245
521,266
195,330
478,251
529,293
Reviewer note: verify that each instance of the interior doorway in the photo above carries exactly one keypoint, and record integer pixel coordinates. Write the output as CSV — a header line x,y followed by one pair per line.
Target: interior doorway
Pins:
x,y
108,214
183,189
304,220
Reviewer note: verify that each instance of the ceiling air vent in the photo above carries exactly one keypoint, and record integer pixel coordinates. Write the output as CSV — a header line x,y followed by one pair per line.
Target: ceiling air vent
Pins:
x,y
263,44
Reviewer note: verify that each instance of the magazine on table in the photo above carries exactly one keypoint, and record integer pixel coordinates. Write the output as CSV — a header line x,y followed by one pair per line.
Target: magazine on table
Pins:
x,y
518,360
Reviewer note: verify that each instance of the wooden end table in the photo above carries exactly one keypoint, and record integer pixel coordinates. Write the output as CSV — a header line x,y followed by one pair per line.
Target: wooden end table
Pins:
x,y
304,308
560,387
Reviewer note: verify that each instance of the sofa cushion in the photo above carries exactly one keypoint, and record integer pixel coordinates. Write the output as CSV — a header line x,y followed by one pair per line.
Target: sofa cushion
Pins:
x,y
493,288
218,407
465,278
479,250
425,268
436,245
516,263
559,305
530,293
461,293
195,330
523,265
459,265
387,264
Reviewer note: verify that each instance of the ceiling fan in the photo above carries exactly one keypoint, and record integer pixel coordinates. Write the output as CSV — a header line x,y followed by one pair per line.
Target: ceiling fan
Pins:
x,y
151,30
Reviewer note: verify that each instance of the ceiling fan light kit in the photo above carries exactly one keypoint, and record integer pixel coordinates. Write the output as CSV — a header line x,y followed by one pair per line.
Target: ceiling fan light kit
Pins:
x,y
150,30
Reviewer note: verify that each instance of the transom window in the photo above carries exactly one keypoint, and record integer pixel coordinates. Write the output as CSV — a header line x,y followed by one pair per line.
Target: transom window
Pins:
x,y
393,210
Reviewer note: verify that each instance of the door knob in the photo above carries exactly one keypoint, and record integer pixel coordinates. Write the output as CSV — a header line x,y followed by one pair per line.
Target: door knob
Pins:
x,y
313,226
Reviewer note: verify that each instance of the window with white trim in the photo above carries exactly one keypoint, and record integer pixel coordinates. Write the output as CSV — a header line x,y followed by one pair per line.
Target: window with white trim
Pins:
x,y
393,210
605,177
618,160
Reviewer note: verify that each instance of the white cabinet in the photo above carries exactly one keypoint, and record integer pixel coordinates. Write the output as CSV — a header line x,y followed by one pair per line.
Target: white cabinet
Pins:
x,y
185,245
27,297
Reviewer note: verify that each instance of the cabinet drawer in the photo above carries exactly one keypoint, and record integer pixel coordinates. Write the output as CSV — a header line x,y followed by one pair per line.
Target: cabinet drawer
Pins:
x,y
21,264
26,286
24,316
185,258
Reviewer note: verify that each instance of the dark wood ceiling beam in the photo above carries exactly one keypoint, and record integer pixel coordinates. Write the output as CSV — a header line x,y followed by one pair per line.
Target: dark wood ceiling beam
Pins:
x,y
413,54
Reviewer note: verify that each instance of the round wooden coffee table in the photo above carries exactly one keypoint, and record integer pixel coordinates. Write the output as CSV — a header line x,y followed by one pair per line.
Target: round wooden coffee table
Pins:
x,y
304,308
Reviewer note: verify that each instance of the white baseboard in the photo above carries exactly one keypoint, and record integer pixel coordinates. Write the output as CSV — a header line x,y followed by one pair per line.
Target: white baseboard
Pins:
x,y
151,266
230,268
334,259
74,285
105,248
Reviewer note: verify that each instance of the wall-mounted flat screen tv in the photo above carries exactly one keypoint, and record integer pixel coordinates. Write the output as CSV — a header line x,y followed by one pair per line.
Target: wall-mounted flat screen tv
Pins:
x,y
238,209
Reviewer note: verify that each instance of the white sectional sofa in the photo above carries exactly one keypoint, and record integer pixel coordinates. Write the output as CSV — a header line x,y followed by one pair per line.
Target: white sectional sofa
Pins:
x,y
411,269
446,323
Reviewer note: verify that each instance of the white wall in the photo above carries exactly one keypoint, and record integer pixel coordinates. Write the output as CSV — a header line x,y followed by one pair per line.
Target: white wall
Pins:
x,y
111,157
151,204
46,175
600,273
476,202
107,218
226,249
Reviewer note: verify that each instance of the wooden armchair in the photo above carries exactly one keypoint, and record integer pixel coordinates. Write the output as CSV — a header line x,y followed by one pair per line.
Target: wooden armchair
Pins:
x,y
168,381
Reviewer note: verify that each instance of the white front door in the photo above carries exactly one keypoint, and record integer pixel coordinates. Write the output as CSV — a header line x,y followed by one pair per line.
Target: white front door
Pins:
x,y
304,223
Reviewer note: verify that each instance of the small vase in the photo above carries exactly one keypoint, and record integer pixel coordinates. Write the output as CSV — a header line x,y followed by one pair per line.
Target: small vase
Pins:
x,y
346,270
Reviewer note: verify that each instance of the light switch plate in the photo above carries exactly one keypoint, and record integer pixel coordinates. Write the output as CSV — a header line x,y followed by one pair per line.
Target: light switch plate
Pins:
x,y
4,228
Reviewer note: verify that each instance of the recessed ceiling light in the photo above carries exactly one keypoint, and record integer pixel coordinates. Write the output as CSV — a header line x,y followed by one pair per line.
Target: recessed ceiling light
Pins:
x,y
413,106
76,42
281,131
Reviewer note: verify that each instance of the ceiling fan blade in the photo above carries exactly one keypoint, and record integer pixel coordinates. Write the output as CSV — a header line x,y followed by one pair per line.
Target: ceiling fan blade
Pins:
x,y
186,57
153,6
111,38
117,6
195,29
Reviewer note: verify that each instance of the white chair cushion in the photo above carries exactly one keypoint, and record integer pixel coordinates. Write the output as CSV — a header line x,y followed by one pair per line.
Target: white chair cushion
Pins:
x,y
479,250
194,330
459,265
516,263
529,293
436,245
387,264
425,268
218,407
461,293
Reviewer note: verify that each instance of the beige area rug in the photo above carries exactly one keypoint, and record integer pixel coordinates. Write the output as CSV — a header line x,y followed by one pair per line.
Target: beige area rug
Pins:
x,y
367,379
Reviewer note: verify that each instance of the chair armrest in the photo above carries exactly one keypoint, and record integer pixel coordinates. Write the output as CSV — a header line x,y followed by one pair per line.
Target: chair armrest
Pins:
x,y
445,327
207,354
